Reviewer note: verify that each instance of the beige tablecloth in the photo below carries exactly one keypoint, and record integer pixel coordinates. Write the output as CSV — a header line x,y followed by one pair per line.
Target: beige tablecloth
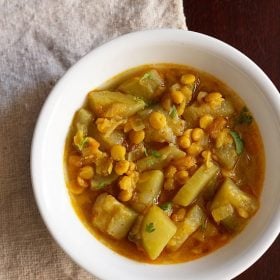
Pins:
x,y
39,41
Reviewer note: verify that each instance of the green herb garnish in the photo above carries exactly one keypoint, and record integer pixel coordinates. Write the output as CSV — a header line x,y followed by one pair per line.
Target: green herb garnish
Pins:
x,y
146,76
245,117
150,161
173,112
82,144
98,185
150,227
101,185
166,207
155,154
239,144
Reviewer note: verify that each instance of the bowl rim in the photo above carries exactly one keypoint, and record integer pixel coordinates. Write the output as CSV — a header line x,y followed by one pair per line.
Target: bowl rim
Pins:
x,y
247,65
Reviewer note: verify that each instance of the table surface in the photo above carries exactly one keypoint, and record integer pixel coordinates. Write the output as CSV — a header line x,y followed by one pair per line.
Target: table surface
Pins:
x,y
253,27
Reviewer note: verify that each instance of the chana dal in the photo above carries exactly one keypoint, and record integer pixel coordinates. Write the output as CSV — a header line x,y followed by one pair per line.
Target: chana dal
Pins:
x,y
164,163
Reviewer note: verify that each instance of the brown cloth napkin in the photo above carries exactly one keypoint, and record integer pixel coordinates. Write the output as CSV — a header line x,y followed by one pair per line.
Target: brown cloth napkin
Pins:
x,y
39,41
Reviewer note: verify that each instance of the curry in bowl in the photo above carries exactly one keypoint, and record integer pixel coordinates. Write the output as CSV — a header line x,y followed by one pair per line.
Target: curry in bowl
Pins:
x,y
164,163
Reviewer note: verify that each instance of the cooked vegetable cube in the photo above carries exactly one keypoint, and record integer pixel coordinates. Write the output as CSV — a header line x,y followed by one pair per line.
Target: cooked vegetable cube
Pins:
x,y
112,217
147,189
138,152
107,126
156,231
227,156
99,182
211,187
206,230
174,127
116,137
175,123
108,104
234,223
162,135
190,190
222,212
107,140
82,120
164,156
194,112
148,86
193,220
134,234
245,204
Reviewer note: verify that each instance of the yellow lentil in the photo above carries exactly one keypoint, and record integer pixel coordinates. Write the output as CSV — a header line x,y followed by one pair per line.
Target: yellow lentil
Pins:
x,y
118,152
197,134
177,97
205,121
136,137
179,215
82,183
182,176
194,149
187,79
170,171
157,120
86,172
121,167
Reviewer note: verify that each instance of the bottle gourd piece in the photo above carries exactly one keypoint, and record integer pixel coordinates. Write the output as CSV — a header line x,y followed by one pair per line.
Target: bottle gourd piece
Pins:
x,y
108,104
160,159
193,220
112,217
156,231
190,190
229,194
147,87
147,189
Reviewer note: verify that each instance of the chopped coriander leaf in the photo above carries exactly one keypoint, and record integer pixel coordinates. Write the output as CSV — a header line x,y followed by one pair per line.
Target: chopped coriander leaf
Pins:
x,y
150,227
82,144
147,75
98,185
239,145
166,207
101,185
155,154
150,161
173,112
245,117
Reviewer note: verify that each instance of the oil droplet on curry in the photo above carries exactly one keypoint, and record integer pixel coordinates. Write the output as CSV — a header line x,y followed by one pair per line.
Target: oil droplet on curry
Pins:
x,y
164,163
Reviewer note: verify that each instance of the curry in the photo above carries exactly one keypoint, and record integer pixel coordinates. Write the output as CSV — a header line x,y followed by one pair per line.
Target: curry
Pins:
x,y
164,163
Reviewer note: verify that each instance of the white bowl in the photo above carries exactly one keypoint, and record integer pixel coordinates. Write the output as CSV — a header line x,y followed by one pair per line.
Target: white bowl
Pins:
x,y
146,47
